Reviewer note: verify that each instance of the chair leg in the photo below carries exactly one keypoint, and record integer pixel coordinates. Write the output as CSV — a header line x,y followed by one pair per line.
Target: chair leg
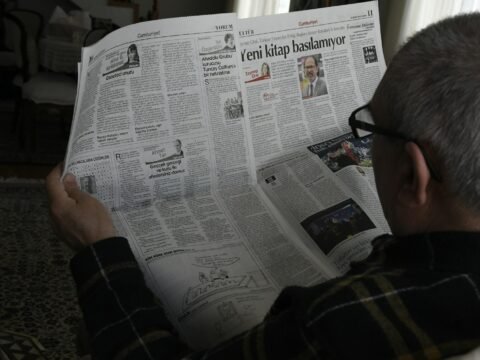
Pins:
x,y
17,126
47,131
28,123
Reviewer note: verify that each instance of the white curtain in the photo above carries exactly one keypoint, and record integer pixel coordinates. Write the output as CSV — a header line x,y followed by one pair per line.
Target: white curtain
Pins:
x,y
417,14
252,8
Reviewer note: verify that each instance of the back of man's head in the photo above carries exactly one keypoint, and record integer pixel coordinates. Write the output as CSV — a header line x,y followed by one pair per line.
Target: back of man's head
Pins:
x,y
431,93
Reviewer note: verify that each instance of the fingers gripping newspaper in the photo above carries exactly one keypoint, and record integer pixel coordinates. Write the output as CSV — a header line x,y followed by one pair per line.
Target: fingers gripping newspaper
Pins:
x,y
197,134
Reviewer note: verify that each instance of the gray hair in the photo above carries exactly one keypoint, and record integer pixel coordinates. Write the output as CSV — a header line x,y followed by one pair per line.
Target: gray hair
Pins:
x,y
431,91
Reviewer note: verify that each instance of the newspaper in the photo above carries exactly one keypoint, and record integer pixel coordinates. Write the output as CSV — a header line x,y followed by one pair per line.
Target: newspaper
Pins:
x,y
223,168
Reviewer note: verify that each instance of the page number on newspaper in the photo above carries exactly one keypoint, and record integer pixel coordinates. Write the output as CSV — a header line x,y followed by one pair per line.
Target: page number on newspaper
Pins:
x,y
370,13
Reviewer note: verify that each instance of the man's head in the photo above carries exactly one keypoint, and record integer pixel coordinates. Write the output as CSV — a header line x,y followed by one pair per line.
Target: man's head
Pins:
x,y
431,94
310,68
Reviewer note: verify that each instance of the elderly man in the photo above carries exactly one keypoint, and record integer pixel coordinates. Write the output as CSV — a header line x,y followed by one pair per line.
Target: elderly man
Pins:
x,y
416,296
312,85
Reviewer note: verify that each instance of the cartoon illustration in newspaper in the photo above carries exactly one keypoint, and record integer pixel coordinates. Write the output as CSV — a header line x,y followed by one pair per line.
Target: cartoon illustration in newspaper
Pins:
x,y
219,275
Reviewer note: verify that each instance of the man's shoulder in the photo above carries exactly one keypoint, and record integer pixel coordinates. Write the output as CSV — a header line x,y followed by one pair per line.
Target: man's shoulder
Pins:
x,y
382,301
321,83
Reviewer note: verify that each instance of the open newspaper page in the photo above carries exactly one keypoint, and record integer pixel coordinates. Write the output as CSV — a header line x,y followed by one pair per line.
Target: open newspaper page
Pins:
x,y
303,74
159,136
328,194
350,160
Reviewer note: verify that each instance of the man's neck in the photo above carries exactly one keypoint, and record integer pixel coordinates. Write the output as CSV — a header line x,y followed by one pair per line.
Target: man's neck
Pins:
x,y
441,216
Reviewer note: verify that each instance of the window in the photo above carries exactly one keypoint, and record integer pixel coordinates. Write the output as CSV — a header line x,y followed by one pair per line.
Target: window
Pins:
x,y
416,15
252,8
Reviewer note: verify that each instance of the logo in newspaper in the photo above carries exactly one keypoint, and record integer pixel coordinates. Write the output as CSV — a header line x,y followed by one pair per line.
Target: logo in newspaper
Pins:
x,y
272,181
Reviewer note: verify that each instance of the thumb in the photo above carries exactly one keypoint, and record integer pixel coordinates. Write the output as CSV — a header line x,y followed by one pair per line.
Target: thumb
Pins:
x,y
71,187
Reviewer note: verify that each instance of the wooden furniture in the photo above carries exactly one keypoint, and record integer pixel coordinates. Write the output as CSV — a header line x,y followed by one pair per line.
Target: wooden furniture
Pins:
x,y
46,96
59,56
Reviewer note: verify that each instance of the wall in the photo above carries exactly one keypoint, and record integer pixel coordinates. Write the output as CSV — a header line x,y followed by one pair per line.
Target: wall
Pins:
x,y
98,8
46,7
145,6
167,9
391,16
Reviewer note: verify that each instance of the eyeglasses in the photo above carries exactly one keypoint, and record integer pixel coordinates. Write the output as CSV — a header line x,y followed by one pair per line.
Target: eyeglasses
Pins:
x,y
362,124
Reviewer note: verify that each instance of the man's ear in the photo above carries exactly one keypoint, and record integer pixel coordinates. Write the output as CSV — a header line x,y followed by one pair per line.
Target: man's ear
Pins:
x,y
415,181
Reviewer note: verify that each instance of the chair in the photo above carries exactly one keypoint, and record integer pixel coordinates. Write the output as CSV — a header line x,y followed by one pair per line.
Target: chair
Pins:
x,y
24,28
11,72
7,56
47,97
95,35
9,94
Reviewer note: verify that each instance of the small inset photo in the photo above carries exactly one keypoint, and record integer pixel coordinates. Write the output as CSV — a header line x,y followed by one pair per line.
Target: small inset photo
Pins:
x,y
346,151
272,180
229,42
233,106
331,226
370,54
88,184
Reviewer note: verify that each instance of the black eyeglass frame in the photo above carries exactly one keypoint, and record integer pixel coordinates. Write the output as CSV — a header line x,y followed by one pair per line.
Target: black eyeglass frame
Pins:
x,y
356,124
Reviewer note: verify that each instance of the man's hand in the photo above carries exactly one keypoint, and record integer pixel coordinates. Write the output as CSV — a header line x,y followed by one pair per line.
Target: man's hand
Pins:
x,y
79,218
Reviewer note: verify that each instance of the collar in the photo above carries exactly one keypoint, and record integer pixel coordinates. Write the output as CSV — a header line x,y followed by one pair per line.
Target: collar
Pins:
x,y
453,251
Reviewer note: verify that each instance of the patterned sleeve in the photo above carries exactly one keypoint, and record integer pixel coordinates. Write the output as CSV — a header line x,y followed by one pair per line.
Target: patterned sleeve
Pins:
x,y
125,320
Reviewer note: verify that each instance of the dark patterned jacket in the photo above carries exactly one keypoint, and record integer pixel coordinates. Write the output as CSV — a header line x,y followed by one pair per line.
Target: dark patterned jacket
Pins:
x,y
415,297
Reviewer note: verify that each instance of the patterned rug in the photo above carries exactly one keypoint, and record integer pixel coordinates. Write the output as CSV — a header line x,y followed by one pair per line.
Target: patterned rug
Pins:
x,y
39,313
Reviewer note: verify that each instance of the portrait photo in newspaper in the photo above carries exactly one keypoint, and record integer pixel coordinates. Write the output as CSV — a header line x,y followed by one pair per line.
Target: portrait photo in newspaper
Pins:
x,y
311,76
229,42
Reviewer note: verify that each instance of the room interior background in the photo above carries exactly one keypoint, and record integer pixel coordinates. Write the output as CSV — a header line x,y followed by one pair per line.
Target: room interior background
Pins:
x,y
37,294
